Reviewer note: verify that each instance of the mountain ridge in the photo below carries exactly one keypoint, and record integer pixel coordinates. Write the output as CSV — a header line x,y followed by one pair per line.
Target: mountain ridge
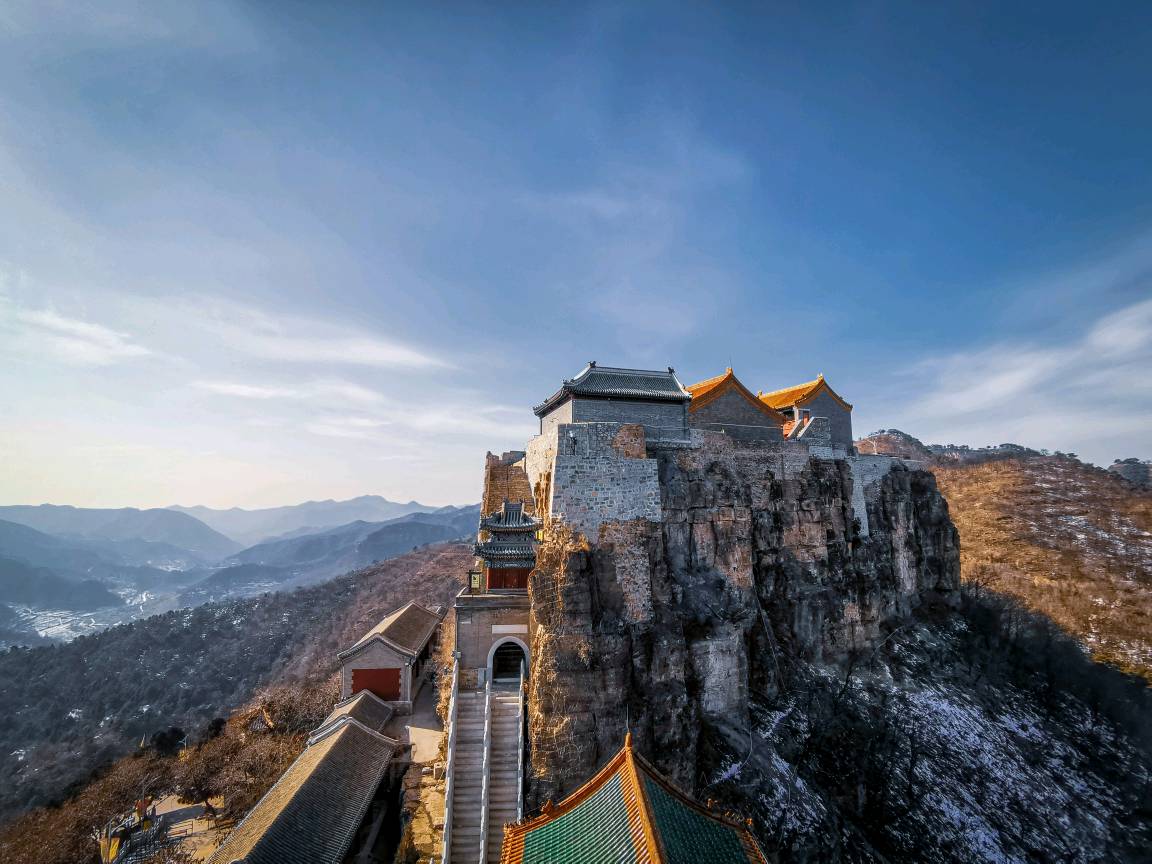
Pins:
x,y
124,523
253,526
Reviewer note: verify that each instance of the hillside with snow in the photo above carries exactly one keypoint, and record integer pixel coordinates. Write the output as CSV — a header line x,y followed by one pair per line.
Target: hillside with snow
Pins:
x,y
1065,538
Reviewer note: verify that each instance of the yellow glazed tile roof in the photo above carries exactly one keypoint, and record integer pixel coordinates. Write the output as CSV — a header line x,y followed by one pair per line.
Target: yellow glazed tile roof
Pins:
x,y
711,389
800,394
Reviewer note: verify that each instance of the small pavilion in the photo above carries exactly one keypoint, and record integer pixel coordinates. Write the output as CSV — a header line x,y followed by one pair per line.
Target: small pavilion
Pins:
x,y
507,547
392,659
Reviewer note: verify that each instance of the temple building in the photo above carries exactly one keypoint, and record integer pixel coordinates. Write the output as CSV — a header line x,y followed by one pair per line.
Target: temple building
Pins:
x,y
594,472
723,404
813,399
392,659
656,400
628,812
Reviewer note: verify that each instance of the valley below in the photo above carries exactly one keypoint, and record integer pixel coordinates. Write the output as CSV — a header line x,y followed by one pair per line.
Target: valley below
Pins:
x,y
68,572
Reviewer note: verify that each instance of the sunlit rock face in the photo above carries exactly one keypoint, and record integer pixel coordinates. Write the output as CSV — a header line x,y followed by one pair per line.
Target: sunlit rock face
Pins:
x,y
673,629
790,640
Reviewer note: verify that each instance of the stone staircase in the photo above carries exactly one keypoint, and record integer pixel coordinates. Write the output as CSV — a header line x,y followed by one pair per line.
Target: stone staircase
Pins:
x,y
468,772
467,778
502,789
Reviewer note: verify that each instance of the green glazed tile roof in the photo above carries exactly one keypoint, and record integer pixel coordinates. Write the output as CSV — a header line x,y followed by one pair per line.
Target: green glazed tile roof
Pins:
x,y
596,832
687,835
628,814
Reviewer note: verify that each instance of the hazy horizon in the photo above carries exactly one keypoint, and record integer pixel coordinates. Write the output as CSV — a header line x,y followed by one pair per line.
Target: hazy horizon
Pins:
x,y
253,253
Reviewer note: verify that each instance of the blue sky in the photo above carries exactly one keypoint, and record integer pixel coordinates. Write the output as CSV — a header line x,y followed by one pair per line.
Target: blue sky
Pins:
x,y
253,253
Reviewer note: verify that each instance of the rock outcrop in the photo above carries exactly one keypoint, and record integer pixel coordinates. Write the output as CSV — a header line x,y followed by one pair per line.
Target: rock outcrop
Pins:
x,y
671,628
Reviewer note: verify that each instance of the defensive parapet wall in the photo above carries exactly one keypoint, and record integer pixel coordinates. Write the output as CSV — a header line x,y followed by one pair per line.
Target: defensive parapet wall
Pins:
x,y
587,474
591,473
599,475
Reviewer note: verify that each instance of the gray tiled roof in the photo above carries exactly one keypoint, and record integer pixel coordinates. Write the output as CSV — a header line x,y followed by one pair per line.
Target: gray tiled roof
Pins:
x,y
313,812
498,549
611,382
365,706
510,517
407,629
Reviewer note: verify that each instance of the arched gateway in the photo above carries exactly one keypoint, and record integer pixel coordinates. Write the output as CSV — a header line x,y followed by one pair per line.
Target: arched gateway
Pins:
x,y
506,659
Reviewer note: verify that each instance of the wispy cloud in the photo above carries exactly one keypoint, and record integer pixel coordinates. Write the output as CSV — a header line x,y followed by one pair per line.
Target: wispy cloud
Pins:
x,y
346,427
314,390
1122,272
286,338
1090,394
46,332
211,24
437,414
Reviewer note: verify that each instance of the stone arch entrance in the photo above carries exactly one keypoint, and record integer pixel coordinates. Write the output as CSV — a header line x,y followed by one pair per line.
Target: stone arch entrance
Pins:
x,y
505,659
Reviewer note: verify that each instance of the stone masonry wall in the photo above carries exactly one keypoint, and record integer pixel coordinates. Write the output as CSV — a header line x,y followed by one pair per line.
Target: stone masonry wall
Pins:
x,y
593,483
505,478
539,456
629,442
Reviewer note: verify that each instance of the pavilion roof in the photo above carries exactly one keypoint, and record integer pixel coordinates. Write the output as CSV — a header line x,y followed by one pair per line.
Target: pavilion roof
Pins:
x,y
629,813
612,382
511,516
506,553
711,389
406,629
801,394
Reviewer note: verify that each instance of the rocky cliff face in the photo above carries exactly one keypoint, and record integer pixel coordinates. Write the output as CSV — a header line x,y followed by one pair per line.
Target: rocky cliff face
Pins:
x,y
668,628
841,690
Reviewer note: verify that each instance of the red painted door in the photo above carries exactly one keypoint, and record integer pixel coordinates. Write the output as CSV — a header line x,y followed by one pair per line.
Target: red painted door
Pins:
x,y
385,683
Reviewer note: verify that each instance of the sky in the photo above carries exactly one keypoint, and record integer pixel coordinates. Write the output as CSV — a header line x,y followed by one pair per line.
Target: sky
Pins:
x,y
258,253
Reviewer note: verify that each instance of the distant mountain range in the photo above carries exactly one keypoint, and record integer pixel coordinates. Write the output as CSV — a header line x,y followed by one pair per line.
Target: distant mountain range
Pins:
x,y
73,560
304,558
157,525
249,527
66,571
48,578
22,583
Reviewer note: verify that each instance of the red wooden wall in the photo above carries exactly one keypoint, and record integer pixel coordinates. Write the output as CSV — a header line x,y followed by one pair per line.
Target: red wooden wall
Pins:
x,y
385,683
508,577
